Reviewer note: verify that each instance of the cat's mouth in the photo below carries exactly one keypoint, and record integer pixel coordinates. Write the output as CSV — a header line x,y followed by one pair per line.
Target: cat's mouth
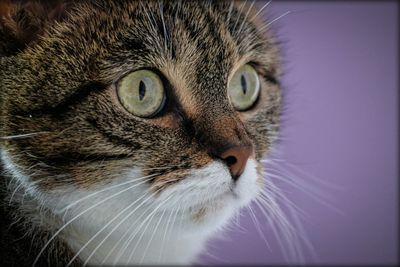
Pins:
x,y
210,194
211,207
218,199
229,199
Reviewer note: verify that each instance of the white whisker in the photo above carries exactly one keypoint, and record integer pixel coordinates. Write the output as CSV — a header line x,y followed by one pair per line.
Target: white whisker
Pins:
x,y
114,229
124,235
245,18
230,12
79,215
104,227
258,228
238,16
278,195
303,172
161,6
303,234
149,218
133,234
151,237
121,238
261,9
269,217
65,209
146,12
310,189
15,190
274,20
21,136
279,175
175,212
286,229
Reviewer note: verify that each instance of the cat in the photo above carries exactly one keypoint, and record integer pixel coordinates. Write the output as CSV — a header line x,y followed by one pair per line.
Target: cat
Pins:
x,y
131,131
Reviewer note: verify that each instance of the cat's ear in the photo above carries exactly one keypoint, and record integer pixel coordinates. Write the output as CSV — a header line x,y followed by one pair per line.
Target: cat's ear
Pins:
x,y
22,22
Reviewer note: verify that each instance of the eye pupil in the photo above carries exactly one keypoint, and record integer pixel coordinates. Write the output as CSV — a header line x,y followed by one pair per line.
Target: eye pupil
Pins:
x,y
243,82
142,90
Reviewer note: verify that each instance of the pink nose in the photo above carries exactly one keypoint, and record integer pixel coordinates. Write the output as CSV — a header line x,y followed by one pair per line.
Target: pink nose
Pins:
x,y
236,159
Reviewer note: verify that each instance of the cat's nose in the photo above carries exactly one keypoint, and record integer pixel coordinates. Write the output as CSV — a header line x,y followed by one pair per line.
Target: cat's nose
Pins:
x,y
236,159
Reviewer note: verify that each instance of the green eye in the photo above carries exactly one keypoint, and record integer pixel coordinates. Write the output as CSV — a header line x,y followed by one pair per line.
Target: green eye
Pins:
x,y
244,88
142,93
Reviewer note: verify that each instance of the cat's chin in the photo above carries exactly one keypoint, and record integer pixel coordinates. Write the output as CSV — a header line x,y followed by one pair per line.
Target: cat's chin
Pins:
x,y
213,215
216,197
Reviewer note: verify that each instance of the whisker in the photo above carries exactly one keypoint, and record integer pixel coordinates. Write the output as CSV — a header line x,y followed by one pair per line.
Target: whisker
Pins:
x,y
112,231
271,222
303,172
287,230
179,208
230,12
147,14
259,12
274,20
133,234
256,223
161,6
279,196
122,237
238,16
236,221
151,237
175,212
22,136
77,216
164,167
277,211
310,189
296,229
15,190
247,14
303,234
149,218
104,190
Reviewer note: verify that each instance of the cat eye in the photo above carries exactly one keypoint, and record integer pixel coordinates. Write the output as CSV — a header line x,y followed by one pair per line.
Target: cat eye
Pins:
x,y
244,88
142,93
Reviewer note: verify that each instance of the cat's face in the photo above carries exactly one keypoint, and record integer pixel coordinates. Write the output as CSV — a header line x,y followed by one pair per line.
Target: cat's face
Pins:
x,y
76,90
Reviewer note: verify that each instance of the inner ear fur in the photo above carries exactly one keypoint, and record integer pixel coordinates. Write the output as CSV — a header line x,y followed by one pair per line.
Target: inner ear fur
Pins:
x,y
22,22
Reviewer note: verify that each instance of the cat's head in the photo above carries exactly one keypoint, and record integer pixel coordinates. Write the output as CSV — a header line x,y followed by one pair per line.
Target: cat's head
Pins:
x,y
180,99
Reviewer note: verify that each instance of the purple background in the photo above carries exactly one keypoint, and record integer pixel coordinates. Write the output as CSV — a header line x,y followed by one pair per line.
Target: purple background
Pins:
x,y
341,126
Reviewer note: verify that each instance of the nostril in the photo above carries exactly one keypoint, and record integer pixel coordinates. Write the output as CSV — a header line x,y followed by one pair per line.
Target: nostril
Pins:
x,y
235,158
231,160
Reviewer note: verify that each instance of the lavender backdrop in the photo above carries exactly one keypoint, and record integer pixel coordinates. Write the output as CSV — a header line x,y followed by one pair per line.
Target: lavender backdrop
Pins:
x,y
341,126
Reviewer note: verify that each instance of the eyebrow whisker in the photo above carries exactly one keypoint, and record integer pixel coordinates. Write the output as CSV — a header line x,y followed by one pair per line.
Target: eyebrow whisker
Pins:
x,y
21,136
245,18
274,20
262,8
